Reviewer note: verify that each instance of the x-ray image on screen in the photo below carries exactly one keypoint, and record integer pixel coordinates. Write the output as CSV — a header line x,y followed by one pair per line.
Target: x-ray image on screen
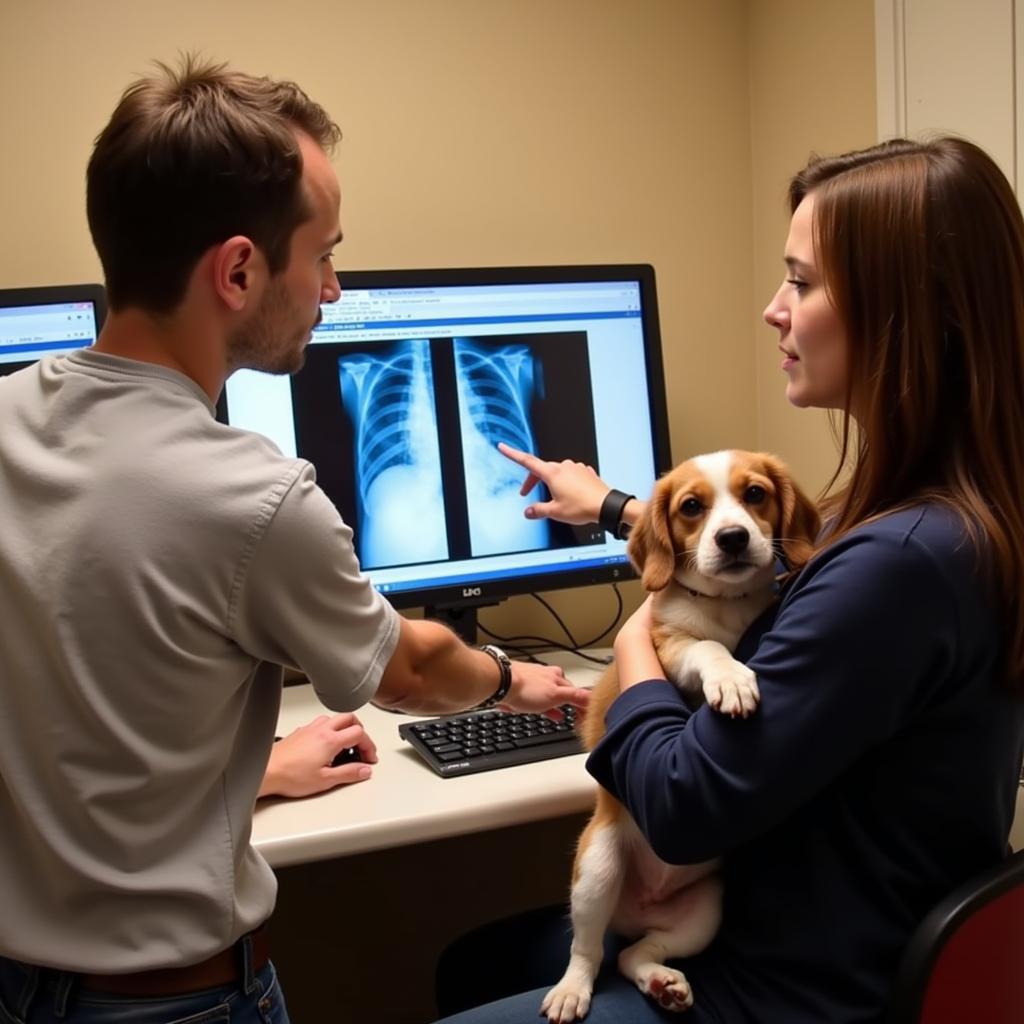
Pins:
x,y
497,385
403,432
534,392
389,397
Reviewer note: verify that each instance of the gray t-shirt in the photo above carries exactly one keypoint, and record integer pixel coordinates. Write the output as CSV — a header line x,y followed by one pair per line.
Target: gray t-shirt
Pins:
x,y
156,570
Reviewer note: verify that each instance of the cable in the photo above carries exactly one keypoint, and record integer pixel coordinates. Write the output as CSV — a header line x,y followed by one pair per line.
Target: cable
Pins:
x,y
618,615
527,643
558,618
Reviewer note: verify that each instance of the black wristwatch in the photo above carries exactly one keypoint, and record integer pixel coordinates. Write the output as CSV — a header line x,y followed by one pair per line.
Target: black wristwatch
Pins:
x,y
610,516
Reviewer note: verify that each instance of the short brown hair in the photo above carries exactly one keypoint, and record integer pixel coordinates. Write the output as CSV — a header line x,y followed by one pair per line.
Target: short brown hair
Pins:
x,y
921,247
189,158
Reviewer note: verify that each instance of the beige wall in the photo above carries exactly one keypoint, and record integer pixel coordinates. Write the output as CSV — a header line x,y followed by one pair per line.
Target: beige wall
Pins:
x,y
509,131
812,88
505,131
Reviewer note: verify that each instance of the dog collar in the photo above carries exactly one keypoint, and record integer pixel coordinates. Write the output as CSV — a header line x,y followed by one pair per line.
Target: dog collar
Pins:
x,y
716,597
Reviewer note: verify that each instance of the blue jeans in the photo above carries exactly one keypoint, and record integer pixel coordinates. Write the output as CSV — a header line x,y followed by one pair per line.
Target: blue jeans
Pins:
x,y
35,995
491,976
616,1001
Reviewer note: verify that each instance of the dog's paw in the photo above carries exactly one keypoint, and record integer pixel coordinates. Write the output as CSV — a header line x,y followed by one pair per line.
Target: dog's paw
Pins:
x,y
732,690
668,987
566,1002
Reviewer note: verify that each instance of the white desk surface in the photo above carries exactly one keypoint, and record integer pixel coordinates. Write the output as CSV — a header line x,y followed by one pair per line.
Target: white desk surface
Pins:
x,y
404,802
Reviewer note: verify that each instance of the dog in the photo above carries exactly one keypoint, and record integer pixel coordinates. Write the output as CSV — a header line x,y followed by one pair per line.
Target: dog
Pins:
x,y
706,548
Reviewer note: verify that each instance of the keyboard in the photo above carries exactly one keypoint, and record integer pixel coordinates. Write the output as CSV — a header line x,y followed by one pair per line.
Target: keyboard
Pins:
x,y
482,740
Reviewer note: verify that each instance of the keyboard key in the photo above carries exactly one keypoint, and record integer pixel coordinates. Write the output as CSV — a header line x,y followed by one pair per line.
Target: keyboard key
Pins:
x,y
538,739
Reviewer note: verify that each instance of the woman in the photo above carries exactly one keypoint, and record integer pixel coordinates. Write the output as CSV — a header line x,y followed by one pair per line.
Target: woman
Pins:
x,y
880,771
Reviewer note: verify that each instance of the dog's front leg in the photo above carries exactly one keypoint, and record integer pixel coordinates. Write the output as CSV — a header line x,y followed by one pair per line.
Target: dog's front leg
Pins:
x,y
597,883
728,685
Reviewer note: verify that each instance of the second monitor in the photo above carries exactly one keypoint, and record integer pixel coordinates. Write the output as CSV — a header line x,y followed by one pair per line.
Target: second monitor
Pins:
x,y
52,320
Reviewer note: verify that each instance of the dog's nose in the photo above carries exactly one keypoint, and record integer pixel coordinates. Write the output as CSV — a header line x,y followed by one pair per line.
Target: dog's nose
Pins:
x,y
732,539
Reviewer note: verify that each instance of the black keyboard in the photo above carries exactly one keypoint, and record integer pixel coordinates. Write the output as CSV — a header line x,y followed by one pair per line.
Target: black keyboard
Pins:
x,y
482,740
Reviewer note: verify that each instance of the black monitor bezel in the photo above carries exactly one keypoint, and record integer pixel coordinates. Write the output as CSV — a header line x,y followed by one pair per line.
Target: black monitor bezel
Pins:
x,y
490,592
53,294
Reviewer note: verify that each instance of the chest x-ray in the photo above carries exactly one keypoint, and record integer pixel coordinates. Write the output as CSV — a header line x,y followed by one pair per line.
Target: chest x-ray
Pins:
x,y
389,397
496,386
403,434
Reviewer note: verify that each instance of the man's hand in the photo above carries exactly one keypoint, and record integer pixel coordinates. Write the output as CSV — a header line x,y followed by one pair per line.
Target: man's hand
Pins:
x,y
541,688
576,490
300,764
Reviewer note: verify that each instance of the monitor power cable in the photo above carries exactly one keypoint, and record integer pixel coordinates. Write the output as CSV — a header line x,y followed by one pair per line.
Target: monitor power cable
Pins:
x,y
528,646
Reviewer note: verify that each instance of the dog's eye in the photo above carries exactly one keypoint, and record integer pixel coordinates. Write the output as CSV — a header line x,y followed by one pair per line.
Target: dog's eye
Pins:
x,y
754,495
691,508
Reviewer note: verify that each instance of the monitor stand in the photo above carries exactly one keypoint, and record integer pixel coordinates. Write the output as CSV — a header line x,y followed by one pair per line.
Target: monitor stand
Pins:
x,y
460,618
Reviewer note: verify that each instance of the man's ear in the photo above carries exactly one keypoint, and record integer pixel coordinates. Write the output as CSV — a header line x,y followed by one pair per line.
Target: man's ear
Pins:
x,y
239,272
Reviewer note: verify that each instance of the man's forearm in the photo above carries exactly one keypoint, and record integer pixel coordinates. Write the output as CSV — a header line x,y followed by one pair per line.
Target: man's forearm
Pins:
x,y
432,672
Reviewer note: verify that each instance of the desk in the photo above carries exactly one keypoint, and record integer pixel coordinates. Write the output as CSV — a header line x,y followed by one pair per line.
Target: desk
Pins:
x,y
405,802
376,878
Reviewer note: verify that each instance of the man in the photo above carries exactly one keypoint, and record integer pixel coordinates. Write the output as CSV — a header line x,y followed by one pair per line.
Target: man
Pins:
x,y
157,568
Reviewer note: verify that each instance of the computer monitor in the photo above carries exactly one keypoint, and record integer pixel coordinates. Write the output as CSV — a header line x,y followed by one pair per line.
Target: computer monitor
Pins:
x,y
37,322
412,378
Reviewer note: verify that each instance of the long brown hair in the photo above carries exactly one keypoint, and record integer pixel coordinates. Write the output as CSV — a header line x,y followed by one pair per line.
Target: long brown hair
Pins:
x,y
190,157
921,246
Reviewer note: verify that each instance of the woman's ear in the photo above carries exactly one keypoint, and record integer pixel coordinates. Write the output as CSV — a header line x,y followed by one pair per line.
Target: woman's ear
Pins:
x,y
800,520
650,543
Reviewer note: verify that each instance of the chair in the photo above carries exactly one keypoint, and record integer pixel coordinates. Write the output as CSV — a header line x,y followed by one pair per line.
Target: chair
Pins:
x,y
965,962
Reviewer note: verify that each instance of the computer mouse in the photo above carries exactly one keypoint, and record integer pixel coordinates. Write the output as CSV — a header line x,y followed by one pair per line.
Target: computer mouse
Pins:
x,y
346,756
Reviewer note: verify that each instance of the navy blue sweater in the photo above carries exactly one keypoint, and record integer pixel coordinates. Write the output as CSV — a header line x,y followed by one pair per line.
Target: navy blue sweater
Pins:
x,y
879,772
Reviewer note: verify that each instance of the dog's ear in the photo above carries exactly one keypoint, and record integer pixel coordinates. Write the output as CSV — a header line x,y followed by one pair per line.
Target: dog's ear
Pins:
x,y
800,519
650,543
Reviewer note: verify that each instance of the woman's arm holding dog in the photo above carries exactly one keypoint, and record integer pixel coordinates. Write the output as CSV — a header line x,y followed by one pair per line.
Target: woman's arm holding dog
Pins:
x,y
576,490
636,660
837,675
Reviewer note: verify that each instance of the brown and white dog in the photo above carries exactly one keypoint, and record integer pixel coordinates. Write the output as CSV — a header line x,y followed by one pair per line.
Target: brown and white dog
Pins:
x,y
706,548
